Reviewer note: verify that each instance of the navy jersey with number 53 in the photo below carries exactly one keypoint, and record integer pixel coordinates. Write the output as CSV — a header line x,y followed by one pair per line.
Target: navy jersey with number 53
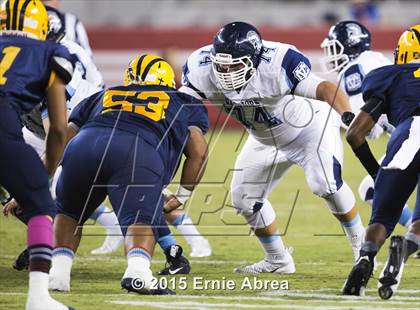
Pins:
x,y
25,69
159,114
398,86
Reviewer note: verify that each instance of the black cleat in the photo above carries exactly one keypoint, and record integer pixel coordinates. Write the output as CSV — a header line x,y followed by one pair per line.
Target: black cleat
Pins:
x,y
391,274
22,261
137,286
176,263
358,278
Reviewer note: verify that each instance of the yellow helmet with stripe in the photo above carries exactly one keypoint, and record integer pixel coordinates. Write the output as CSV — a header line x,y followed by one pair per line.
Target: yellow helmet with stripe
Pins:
x,y
28,16
149,69
408,48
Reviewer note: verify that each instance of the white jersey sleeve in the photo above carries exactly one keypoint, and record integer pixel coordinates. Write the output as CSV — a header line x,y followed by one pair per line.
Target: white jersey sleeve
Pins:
x,y
76,32
196,74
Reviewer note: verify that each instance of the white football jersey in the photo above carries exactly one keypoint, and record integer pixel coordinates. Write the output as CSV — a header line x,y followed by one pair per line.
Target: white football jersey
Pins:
x,y
86,78
352,75
265,105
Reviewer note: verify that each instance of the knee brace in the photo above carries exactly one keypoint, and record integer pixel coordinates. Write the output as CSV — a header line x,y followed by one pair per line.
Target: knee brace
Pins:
x,y
342,201
366,189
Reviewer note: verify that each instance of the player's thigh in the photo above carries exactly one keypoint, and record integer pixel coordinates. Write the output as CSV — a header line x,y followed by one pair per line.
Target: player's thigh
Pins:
x,y
393,187
135,191
319,151
21,171
78,191
258,169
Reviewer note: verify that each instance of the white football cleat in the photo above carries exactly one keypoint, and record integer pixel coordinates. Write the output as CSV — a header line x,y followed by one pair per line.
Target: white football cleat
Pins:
x,y
44,302
110,245
283,265
200,247
59,283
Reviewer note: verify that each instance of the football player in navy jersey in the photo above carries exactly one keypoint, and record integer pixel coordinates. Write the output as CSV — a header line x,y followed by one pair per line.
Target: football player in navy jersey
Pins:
x,y
393,90
347,49
32,69
130,142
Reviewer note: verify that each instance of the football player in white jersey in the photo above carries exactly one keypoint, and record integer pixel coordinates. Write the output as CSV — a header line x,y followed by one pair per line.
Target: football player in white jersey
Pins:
x,y
259,83
347,49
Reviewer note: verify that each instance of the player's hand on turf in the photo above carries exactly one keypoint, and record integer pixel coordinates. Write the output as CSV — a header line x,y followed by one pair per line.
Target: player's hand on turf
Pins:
x,y
12,207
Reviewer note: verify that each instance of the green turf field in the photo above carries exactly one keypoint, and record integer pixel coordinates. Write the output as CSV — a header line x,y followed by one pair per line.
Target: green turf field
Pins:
x,y
321,252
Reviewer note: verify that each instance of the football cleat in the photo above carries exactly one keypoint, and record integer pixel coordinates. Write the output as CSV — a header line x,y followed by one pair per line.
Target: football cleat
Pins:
x,y
176,263
358,278
110,245
200,247
390,277
137,285
22,261
58,282
45,302
284,265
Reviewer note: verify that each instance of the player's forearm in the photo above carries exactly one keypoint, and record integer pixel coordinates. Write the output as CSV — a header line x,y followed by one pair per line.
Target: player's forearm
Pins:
x,y
56,141
334,96
195,163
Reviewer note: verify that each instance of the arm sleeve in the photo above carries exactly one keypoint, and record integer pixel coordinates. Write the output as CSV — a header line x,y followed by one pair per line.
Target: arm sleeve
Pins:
x,y
375,107
377,83
82,38
296,67
307,87
63,63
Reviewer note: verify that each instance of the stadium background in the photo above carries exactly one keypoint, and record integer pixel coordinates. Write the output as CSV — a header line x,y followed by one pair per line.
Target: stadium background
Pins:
x,y
120,29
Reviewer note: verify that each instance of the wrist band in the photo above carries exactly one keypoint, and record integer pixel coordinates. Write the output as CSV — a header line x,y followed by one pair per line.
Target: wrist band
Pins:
x,y
183,194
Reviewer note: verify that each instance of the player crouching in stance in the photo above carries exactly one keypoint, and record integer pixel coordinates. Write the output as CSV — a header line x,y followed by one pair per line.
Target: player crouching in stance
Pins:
x,y
128,148
393,90
255,81
31,70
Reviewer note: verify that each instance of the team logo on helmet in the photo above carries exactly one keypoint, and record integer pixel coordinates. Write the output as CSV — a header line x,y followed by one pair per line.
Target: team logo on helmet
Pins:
x,y
254,39
354,33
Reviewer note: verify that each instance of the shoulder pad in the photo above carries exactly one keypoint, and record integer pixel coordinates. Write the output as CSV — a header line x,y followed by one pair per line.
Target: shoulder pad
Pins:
x,y
63,68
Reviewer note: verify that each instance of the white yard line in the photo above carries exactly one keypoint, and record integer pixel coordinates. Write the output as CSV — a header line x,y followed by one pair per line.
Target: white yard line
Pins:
x,y
201,305
263,297
332,296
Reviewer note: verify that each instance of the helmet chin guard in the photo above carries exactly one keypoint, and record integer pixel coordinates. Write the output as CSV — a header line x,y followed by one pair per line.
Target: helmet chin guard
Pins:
x,y
334,59
222,64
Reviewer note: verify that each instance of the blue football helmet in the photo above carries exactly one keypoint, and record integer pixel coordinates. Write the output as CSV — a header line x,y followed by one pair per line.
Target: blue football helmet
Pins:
x,y
345,41
56,24
235,55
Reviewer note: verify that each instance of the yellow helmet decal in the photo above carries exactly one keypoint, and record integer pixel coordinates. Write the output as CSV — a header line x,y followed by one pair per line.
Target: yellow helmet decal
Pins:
x,y
408,48
28,16
149,69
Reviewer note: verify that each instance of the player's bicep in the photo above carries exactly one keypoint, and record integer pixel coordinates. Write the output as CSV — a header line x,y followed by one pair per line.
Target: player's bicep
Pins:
x,y
308,87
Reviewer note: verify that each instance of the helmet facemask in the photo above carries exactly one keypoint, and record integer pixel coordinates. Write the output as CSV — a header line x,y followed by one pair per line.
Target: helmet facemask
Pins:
x,y
232,73
334,59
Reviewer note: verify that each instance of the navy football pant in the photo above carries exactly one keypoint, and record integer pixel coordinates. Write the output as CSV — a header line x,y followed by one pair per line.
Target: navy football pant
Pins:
x,y
393,187
22,172
100,162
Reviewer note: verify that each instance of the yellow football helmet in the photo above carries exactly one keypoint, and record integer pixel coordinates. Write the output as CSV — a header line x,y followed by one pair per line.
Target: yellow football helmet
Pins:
x,y
408,48
29,16
149,69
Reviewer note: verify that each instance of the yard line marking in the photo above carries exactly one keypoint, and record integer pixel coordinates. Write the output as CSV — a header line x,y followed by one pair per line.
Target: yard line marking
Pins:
x,y
201,305
331,296
371,301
